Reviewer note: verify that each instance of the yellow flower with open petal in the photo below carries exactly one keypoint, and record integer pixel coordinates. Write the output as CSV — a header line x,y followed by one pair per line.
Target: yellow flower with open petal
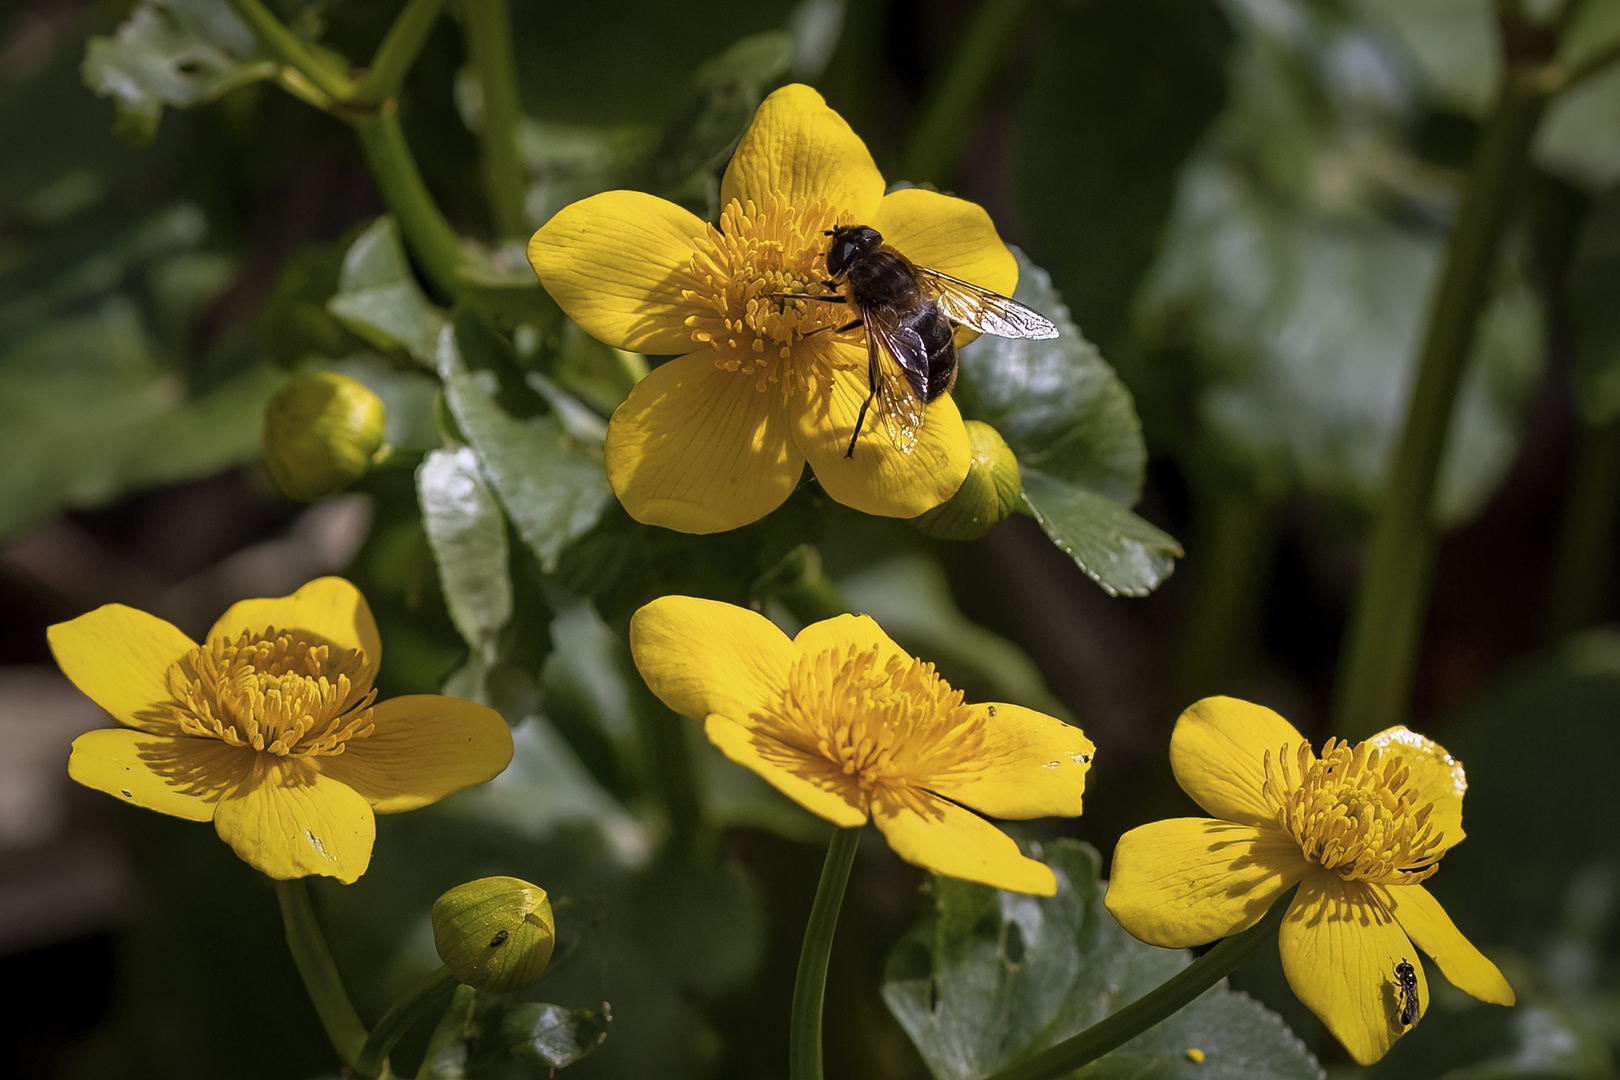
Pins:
x,y
851,727
1358,829
719,436
270,728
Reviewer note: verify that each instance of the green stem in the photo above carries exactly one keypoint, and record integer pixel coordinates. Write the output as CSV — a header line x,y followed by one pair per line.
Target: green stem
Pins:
x,y
398,52
489,41
952,103
405,192
804,1036
293,51
416,1003
319,972
1163,1001
1229,560
1387,619
1581,566
672,767
799,582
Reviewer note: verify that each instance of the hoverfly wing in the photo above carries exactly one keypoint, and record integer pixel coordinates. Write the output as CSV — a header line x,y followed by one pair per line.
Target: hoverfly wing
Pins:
x,y
900,360
982,310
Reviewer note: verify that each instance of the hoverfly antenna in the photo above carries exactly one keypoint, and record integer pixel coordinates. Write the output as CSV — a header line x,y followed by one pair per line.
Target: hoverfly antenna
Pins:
x,y
827,232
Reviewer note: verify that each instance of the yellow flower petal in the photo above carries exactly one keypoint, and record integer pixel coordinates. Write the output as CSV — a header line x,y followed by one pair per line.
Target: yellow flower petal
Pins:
x,y
616,263
181,777
1437,777
939,835
1432,930
120,658
845,631
1187,881
879,479
291,822
1339,950
1218,753
806,779
1034,766
328,609
423,748
703,658
700,450
799,148
947,234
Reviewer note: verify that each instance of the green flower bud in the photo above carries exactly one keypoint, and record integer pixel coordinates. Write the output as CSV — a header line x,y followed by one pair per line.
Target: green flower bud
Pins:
x,y
988,495
495,933
322,432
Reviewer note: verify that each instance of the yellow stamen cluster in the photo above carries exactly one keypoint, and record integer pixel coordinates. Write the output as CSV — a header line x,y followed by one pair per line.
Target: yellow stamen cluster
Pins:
x,y
272,692
1352,812
744,275
884,728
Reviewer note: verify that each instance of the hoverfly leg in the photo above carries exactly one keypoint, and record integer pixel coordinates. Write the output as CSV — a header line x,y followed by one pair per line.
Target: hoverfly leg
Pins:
x,y
872,383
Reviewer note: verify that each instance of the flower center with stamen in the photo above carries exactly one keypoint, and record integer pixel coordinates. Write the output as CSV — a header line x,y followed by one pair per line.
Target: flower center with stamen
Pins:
x,y
884,727
745,275
1353,813
272,692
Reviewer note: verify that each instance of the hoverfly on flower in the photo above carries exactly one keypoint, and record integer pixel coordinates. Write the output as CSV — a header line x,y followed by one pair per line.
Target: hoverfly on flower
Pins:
x,y
911,314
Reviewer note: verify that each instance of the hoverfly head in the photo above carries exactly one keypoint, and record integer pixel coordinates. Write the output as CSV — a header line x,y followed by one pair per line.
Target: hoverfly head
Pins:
x,y
850,242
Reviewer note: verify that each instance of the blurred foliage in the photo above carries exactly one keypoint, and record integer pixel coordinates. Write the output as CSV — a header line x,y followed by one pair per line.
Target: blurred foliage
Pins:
x,y
1243,202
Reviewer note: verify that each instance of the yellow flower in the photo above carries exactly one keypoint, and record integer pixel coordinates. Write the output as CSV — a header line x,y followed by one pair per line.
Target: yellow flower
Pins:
x,y
719,436
843,722
1358,829
270,728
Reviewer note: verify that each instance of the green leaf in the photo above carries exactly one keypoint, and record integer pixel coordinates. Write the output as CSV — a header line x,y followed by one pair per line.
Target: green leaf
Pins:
x,y
172,52
552,1035
379,298
1594,283
1116,549
553,489
993,977
468,533
1058,403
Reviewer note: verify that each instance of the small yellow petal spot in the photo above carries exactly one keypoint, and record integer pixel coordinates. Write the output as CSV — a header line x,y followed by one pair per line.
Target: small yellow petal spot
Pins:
x,y
745,280
886,728
1195,1055
274,692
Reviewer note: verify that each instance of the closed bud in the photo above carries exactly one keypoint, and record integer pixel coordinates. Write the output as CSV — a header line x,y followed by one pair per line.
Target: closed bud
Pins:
x,y
322,432
987,496
495,933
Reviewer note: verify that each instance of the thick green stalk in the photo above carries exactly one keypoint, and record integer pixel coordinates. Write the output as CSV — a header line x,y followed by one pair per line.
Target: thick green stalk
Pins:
x,y
1386,623
1235,538
1582,563
293,51
398,51
804,1035
406,194
1157,1004
952,103
673,774
489,41
319,971
414,1005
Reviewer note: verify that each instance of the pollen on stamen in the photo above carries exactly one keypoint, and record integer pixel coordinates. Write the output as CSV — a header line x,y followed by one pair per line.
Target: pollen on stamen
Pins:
x,y
744,283
1351,811
885,726
273,693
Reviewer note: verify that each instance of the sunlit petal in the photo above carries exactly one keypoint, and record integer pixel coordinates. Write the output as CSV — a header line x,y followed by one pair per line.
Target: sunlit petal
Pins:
x,y
1218,753
947,234
120,658
938,835
799,148
1032,765
181,777
616,263
423,747
1436,776
328,610
804,778
1432,930
703,658
290,821
1183,882
1339,949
